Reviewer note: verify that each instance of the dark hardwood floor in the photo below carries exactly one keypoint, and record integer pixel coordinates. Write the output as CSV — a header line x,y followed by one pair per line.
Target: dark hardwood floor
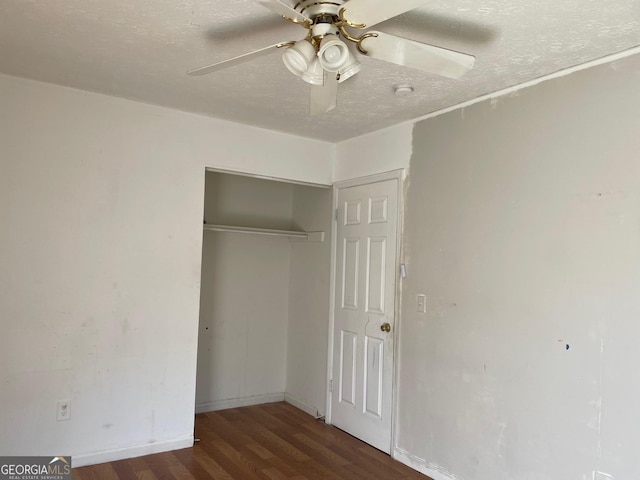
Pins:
x,y
266,442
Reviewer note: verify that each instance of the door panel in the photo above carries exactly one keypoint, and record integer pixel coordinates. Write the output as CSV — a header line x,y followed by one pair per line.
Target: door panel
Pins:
x,y
350,262
376,262
373,377
365,301
348,368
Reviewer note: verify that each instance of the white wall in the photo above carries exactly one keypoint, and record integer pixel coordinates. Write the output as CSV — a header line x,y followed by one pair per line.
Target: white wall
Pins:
x,y
242,340
101,204
309,300
523,229
377,152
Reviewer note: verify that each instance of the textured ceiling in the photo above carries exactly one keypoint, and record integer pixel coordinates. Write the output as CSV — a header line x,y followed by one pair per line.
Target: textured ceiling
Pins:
x,y
141,50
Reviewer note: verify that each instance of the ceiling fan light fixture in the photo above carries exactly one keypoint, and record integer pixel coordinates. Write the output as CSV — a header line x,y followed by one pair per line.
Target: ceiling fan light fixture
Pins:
x,y
352,67
299,57
327,55
314,74
333,53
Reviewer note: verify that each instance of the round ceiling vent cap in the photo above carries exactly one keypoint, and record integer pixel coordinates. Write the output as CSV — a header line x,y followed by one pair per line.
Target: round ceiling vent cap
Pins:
x,y
403,89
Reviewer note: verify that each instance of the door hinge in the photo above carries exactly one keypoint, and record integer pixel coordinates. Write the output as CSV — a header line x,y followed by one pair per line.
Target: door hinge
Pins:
x,y
336,215
330,386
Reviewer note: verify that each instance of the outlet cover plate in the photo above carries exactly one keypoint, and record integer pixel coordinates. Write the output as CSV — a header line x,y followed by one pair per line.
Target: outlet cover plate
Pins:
x,y
421,306
64,410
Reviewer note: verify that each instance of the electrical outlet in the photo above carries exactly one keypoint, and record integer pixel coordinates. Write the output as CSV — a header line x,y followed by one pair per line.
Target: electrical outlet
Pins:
x,y
64,410
422,304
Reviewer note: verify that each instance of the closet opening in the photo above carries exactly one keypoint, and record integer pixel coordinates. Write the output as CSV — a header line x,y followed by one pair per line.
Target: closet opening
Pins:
x,y
265,293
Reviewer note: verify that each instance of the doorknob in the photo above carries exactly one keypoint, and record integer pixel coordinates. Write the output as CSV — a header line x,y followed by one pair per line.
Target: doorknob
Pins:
x,y
385,327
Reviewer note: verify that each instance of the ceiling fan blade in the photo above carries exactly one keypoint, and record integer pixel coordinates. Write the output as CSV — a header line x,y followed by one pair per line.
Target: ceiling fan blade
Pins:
x,y
238,60
324,98
420,56
285,10
371,12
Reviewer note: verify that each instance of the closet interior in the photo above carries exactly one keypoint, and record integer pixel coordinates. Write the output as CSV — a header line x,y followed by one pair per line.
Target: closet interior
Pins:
x,y
265,293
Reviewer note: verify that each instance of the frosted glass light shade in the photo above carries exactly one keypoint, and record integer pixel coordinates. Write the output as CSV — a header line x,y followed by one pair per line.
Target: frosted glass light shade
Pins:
x,y
314,74
333,53
352,67
299,57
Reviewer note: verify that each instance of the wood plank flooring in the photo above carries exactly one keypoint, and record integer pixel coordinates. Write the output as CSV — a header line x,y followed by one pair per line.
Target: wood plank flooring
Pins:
x,y
275,441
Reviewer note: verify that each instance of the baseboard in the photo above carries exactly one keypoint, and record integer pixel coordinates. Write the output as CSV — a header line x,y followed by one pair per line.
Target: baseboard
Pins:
x,y
187,441
302,405
422,466
203,407
132,451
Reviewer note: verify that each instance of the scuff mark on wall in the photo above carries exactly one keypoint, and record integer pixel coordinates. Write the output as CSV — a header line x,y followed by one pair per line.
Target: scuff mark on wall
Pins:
x,y
436,472
619,195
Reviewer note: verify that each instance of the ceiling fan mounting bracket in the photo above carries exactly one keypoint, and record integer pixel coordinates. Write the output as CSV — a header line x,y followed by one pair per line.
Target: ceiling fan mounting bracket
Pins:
x,y
325,23
361,38
328,17
344,22
306,25
341,25
285,44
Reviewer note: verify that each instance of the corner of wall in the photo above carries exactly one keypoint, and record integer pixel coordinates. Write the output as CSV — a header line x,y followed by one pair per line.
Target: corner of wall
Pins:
x,y
373,153
419,464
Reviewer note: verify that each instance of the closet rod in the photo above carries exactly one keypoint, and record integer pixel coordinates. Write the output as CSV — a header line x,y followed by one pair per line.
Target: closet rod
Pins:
x,y
255,231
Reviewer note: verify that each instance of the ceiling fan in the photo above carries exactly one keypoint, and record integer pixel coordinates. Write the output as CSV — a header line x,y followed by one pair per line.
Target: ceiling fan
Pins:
x,y
323,58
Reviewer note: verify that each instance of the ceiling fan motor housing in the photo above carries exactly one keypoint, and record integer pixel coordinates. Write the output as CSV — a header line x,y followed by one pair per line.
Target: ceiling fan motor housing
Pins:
x,y
314,8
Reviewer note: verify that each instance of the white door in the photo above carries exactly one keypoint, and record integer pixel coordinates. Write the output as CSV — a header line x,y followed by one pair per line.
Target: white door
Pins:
x,y
364,312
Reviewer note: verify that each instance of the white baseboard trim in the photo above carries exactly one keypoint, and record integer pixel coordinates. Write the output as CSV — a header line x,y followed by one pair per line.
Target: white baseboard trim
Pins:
x,y
302,405
187,441
131,452
203,407
422,466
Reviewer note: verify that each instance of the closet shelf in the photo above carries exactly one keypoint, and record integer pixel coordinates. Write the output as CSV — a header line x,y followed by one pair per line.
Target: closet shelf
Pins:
x,y
308,236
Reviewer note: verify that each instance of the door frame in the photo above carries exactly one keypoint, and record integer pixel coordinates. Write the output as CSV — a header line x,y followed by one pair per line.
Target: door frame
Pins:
x,y
400,176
